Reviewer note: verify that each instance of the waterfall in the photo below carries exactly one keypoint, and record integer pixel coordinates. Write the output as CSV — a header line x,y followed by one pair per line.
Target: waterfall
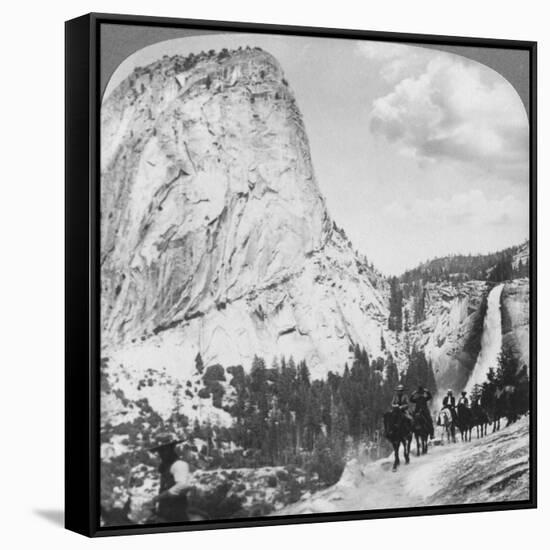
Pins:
x,y
491,340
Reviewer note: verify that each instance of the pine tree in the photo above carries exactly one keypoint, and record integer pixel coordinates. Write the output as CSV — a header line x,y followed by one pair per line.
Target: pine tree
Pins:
x,y
419,372
395,321
199,365
506,374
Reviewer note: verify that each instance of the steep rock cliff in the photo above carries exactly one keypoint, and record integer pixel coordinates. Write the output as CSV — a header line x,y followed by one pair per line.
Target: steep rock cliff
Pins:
x,y
515,319
215,236
450,334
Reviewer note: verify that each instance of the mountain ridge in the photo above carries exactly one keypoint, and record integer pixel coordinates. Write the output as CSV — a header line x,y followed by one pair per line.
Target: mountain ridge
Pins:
x,y
219,232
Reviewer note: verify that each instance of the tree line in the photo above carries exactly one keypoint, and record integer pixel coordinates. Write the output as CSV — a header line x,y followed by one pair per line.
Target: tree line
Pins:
x,y
283,416
506,389
495,267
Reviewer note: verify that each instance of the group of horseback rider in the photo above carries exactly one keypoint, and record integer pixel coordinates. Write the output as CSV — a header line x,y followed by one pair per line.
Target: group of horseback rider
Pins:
x,y
421,398
171,502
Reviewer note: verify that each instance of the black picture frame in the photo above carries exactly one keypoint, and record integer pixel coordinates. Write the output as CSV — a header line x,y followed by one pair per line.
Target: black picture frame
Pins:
x,y
82,307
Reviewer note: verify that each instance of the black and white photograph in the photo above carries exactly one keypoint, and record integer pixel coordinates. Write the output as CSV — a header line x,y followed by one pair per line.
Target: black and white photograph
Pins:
x,y
273,275
315,273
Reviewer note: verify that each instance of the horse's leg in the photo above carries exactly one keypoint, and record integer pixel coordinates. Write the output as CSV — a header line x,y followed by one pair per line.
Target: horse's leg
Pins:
x,y
407,446
417,437
396,454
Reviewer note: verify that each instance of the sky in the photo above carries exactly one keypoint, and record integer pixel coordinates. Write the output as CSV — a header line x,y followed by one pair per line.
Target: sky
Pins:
x,y
418,153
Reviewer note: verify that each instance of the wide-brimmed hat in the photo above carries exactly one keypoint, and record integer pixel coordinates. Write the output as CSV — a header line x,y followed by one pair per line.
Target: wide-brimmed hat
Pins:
x,y
165,440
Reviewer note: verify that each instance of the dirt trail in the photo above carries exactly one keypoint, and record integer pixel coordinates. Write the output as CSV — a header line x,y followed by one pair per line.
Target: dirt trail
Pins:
x,y
495,468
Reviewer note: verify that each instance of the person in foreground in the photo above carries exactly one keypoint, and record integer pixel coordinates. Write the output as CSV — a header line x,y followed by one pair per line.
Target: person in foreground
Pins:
x,y
171,502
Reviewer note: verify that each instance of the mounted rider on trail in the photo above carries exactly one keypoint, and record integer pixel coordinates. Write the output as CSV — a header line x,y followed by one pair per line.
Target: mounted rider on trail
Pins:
x,y
450,403
420,398
464,400
400,401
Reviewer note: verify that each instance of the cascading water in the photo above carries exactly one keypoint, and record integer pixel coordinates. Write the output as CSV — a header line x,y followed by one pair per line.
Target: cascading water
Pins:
x,y
491,340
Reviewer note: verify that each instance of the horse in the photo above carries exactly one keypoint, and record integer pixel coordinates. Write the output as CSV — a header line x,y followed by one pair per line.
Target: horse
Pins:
x,y
421,430
445,420
464,421
398,430
480,419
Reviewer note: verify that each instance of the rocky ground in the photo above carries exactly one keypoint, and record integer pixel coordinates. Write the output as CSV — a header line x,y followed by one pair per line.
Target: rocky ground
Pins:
x,y
221,493
491,469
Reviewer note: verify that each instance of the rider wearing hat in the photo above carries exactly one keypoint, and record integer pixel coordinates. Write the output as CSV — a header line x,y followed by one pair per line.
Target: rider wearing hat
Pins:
x,y
400,400
463,399
420,398
450,403
174,472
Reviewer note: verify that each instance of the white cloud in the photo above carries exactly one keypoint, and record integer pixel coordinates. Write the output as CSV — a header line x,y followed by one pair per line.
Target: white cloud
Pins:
x,y
395,60
471,210
442,107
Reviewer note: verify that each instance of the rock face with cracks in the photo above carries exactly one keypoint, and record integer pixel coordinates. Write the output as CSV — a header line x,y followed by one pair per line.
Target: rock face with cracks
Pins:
x,y
515,319
450,334
215,237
